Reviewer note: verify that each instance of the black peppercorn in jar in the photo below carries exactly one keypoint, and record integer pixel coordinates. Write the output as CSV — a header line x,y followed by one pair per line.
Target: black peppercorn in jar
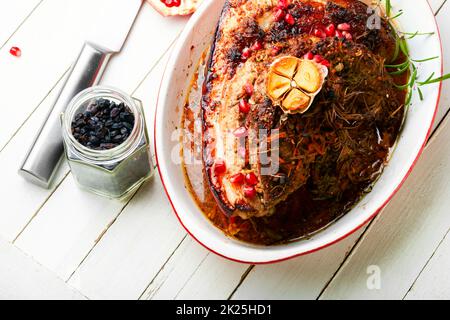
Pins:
x,y
106,141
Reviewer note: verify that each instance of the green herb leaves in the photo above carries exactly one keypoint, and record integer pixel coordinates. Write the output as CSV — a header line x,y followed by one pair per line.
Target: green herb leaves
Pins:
x,y
409,65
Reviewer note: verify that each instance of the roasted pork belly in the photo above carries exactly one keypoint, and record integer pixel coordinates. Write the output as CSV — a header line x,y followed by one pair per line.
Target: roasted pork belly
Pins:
x,y
255,151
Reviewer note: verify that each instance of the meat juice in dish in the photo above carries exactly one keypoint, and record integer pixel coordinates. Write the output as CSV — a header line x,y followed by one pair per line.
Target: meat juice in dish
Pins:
x,y
312,76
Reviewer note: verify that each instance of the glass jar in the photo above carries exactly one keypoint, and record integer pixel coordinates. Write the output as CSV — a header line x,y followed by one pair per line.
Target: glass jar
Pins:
x,y
114,172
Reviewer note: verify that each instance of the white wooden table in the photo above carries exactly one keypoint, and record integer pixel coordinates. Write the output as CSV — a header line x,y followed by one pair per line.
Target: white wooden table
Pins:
x,y
65,243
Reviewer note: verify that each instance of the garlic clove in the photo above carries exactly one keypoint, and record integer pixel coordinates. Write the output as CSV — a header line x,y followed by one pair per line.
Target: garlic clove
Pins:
x,y
308,77
285,66
296,100
277,85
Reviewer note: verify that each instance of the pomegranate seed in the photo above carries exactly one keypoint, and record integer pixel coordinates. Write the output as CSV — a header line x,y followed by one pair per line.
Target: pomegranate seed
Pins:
x,y
257,46
238,178
251,179
344,27
319,33
278,14
289,19
240,132
283,4
244,106
171,3
325,63
347,35
309,56
246,53
248,88
338,34
275,50
219,166
318,58
15,51
330,30
249,192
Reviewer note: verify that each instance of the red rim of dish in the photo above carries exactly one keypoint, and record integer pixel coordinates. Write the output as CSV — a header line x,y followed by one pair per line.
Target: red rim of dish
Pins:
x,y
351,231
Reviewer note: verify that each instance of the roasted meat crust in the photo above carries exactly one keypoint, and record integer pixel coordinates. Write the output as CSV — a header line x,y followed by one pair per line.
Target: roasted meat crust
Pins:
x,y
246,22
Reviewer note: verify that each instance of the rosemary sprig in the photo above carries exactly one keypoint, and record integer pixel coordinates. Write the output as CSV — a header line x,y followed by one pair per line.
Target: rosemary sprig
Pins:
x,y
410,82
401,70
425,60
409,63
420,93
396,16
389,11
397,49
388,8
412,35
430,77
440,79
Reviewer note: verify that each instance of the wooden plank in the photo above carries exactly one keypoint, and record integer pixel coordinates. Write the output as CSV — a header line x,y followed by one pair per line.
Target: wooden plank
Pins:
x,y
22,278
195,273
133,250
150,38
67,227
444,26
20,199
436,4
433,282
300,278
12,15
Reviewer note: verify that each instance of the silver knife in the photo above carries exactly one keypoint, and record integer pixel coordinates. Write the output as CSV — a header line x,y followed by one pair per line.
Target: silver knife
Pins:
x,y
106,39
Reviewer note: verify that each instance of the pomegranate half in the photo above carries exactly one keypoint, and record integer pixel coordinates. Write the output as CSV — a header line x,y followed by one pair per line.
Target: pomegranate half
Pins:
x,y
175,7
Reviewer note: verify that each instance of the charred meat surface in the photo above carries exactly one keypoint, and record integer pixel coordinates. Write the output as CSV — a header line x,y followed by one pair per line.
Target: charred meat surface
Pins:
x,y
257,157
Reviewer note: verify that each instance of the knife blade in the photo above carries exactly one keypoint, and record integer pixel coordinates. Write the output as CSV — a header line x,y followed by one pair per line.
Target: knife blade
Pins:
x,y
105,39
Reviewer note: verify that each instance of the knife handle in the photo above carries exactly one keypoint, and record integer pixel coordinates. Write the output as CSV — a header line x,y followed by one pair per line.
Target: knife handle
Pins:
x,y
46,152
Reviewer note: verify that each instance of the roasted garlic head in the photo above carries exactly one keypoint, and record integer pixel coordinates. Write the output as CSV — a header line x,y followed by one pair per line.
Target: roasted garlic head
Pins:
x,y
293,83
